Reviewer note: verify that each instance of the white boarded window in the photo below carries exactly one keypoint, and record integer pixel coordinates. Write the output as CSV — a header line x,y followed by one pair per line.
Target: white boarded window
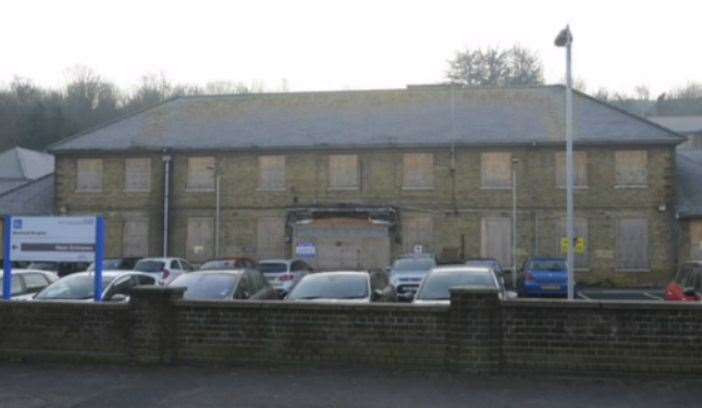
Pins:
x,y
418,171
496,170
580,231
271,173
695,239
632,244
135,237
199,240
496,239
201,174
632,168
418,230
343,172
137,174
579,166
270,237
89,175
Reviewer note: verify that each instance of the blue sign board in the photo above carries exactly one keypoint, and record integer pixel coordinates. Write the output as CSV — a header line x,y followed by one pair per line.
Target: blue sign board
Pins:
x,y
306,250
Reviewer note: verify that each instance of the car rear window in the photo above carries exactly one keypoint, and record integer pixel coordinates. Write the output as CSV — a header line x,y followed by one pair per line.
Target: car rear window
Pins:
x,y
331,287
551,266
219,265
436,285
272,267
206,286
149,266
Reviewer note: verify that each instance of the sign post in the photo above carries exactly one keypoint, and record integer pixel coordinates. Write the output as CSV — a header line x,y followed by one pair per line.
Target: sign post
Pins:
x,y
99,255
7,260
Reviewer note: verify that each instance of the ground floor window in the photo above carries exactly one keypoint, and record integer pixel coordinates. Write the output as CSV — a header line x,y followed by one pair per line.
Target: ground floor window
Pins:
x,y
696,239
632,244
496,239
135,238
199,241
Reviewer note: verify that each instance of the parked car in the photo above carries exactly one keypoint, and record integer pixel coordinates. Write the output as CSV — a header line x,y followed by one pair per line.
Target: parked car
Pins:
x,y
81,286
165,270
406,274
544,277
27,282
436,286
116,264
284,274
59,268
351,287
687,284
489,263
241,284
227,264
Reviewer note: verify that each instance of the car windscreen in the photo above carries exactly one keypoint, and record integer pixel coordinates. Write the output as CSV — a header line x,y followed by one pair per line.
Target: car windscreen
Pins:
x,y
220,265
331,287
73,287
551,266
436,286
413,264
149,266
206,286
272,267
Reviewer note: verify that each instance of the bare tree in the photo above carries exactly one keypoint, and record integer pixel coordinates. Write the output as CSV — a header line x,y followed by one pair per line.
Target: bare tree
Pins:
x,y
496,67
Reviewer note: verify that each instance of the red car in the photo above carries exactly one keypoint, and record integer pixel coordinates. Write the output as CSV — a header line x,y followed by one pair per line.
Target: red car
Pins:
x,y
687,285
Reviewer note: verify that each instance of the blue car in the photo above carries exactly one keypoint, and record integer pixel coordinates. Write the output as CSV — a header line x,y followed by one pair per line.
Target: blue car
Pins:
x,y
544,277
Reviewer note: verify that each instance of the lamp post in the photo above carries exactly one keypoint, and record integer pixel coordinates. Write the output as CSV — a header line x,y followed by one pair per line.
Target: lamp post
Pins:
x,y
565,39
514,222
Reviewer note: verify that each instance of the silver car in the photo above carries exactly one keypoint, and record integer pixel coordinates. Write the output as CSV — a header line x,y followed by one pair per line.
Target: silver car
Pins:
x,y
406,274
343,287
80,287
284,274
27,282
436,287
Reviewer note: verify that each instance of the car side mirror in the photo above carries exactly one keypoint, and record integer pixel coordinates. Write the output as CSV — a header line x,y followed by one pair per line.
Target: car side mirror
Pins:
x,y
690,292
119,297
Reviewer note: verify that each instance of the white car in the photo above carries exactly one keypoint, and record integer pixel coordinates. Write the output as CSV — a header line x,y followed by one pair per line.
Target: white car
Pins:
x,y
284,274
436,286
164,269
80,287
27,282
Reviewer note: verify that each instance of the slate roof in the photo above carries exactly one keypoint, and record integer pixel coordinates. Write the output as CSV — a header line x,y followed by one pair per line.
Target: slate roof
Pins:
x,y
376,118
680,124
689,178
19,166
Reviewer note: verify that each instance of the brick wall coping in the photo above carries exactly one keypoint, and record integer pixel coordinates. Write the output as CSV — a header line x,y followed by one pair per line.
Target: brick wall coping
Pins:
x,y
600,304
277,304
48,304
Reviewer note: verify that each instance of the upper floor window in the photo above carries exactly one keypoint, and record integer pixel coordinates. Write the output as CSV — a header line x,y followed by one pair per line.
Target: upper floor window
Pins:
x,y
137,174
632,168
89,175
201,174
418,171
271,173
496,170
343,172
579,166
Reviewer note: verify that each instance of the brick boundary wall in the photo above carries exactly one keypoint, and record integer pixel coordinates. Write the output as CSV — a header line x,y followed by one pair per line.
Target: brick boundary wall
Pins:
x,y
477,333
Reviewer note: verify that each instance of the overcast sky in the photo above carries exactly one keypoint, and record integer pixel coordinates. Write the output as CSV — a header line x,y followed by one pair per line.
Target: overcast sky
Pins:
x,y
317,45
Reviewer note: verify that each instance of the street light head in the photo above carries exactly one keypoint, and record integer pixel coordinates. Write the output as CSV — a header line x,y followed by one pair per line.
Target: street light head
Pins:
x,y
564,38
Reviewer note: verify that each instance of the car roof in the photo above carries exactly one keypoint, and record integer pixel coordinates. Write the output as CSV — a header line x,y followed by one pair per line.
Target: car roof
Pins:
x,y
214,272
113,274
460,268
340,273
286,261
161,259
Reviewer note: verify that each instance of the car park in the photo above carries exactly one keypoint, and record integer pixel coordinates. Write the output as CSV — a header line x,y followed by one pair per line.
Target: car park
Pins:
x,y
436,286
544,277
81,286
687,284
284,274
165,270
407,272
228,264
224,285
116,264
343,287
26,283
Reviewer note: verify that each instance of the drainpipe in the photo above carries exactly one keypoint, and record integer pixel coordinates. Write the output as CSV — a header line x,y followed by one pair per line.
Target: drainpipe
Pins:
x,y
217,212
166,200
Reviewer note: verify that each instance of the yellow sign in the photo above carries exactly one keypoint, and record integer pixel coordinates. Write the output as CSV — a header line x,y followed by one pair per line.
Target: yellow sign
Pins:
x,y
579,246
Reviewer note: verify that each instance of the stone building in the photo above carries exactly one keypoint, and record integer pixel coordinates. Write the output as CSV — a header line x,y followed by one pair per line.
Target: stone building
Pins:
x,y
355,178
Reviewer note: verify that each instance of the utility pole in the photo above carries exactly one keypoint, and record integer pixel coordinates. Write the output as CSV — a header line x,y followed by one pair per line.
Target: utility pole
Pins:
x,y
514,222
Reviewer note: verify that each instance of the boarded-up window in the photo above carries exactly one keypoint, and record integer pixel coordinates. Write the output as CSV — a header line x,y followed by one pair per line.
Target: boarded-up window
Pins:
x,y
135,238
496,239
496,170
418,171
201,174
632,244
580,230
343,172
271,173
696,239
418,230
89,175
632,168
199,241
579,166
137,174
271,237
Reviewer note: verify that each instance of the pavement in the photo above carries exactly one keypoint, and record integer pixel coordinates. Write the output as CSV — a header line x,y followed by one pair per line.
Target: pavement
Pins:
x,y
41,385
